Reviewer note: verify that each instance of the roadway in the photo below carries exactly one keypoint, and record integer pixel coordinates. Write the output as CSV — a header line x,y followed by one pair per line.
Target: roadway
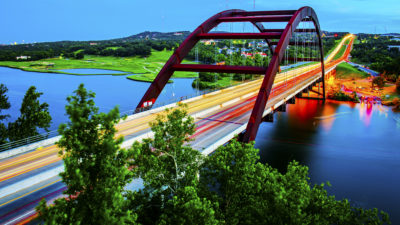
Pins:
x,y
219,113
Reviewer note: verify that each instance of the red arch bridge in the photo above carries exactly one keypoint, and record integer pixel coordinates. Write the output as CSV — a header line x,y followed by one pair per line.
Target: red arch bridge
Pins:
x,y
292,65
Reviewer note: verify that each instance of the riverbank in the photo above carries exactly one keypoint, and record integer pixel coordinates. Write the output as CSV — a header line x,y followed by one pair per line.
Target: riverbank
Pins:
x,y
349,80
143,69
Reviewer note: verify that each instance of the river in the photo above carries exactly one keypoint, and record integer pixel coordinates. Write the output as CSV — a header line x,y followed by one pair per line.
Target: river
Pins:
x,y
110,90
355,147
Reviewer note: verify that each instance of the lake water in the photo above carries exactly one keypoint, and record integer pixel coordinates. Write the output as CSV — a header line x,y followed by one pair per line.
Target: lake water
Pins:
x,y
110,90
356,147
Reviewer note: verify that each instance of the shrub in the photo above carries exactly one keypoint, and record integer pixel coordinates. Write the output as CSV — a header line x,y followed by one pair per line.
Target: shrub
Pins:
x,y
379,81
398,85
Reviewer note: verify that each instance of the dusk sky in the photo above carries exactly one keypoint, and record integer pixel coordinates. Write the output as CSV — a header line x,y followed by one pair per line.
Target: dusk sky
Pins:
x,y
55,20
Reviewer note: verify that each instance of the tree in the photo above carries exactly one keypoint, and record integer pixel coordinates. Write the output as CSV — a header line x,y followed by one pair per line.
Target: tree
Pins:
x,y
169,169
258,60
249,192
96,168
398,84
79,55
4,104
378,81
34,115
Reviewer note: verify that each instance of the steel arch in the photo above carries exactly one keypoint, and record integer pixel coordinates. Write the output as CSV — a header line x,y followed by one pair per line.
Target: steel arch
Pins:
x,y
266,86
293,17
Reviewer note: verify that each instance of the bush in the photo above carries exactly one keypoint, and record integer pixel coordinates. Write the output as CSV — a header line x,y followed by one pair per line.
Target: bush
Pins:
x,y
396,101
398,85
209,77
341,96
379,81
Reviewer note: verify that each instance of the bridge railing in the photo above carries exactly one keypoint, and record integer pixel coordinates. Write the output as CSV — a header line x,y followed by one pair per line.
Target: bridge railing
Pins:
x,y
28,140
54,133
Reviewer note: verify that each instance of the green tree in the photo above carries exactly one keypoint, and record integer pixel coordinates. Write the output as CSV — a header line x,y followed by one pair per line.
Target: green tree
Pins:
x,y
258,60
34,115
379,81
169,169
79,55
96,169
4,104
221,58
249,192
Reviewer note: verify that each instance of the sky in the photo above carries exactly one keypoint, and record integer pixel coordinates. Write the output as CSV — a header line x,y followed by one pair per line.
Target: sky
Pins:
x,y
55,20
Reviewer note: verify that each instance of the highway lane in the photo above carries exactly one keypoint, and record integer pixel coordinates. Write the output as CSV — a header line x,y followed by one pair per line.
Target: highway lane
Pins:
x,y
223,119
48,155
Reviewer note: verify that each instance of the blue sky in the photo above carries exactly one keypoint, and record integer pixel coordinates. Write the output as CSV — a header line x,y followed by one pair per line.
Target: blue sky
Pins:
x,y
54,20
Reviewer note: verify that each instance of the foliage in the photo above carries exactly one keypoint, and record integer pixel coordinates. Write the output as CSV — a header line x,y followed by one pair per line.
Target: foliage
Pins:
x,y
341,96
376,53
180,185
379,81
96,169
4,104
209,77
186,207
34,115
76,49
169,170
80,55
398,85
249,192
396,104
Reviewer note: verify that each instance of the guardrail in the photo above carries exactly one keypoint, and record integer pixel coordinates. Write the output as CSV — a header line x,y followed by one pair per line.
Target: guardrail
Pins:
x,y
54,133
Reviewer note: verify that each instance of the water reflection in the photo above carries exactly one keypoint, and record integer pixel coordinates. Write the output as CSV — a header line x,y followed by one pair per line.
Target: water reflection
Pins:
x,y
291,136
354,146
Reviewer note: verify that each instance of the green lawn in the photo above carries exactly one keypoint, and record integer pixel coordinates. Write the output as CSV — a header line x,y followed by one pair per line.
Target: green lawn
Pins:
x,y
142,69
145,69
347,71
342,50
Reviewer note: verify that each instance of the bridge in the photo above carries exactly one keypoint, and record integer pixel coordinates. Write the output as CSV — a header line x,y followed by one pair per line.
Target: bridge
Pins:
x,y
30,172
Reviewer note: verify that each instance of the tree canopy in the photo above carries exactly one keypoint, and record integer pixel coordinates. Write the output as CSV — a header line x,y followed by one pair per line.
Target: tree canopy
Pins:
x,y
181,186
249,192
169,169
4,104
34,115
96,168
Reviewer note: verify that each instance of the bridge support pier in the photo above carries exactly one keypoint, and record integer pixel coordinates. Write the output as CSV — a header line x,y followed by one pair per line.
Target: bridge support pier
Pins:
x,y
281,108
268,118
308,90
291,101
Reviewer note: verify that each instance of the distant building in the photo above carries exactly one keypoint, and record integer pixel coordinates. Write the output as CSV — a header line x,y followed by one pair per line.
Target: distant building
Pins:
x,y
208,42
262,54
262,44
23,57
246,54
92,43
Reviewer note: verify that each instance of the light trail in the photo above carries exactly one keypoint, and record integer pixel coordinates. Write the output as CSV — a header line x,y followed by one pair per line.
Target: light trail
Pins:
x,y
39,158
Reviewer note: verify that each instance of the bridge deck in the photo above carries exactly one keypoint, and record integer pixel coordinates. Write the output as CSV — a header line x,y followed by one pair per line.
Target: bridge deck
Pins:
x,y
222,113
